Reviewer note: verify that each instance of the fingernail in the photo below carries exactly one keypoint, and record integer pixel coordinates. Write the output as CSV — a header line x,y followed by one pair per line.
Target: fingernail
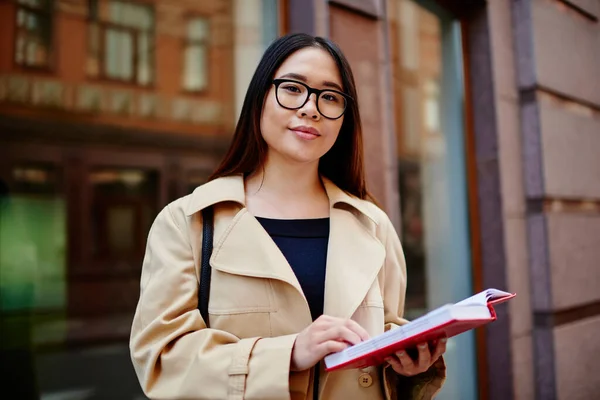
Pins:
x,y
401,354
422,346
444,340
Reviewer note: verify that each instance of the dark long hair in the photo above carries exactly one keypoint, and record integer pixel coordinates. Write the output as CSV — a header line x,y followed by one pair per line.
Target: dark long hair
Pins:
x,y
342,164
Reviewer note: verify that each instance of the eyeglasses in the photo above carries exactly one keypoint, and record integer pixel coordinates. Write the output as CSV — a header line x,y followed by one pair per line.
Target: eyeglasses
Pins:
x,y
293,95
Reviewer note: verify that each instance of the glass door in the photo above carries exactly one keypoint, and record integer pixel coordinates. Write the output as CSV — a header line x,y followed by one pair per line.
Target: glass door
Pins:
x,y
429,100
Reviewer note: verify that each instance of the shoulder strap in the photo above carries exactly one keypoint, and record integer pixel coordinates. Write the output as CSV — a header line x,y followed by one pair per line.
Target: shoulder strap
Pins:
x,y
205,269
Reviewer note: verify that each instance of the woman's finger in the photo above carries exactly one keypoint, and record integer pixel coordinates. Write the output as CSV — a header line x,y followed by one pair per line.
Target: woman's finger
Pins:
x,y
330,346
339,333
407,363
395,363
424,357
326,322
356,328
440,349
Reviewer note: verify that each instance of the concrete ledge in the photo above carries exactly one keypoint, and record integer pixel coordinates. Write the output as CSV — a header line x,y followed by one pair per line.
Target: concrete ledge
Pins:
x,y
577,363
570,147
574,251
370,8
567,52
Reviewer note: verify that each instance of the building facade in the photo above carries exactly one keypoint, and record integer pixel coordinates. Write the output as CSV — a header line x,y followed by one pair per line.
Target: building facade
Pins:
x,y
482,134
482,128
108,111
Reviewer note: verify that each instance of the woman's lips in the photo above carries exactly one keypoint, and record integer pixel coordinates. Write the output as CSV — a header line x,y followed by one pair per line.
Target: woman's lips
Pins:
x,y
306,133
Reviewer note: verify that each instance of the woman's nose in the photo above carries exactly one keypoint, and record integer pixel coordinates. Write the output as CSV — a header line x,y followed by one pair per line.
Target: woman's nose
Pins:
x,y
309,109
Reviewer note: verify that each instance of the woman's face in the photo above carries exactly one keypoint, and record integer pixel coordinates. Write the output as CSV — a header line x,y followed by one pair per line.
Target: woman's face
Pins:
x,y
302,135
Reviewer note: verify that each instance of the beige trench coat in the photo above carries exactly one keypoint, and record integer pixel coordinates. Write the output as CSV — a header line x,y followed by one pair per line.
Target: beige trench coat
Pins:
x,y
257,307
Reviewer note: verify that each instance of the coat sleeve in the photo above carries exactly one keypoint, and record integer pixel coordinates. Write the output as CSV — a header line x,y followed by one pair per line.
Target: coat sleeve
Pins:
x,y
423,386
174,355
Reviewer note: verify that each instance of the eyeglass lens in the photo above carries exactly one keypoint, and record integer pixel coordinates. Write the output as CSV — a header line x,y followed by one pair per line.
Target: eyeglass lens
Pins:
x,y
293,95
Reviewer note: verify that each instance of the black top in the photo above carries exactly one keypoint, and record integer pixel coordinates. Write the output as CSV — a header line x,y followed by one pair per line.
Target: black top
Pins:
x,y
304,242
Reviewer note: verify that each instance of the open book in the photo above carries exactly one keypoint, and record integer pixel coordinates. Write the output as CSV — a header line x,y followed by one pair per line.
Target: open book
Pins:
x,y
446,321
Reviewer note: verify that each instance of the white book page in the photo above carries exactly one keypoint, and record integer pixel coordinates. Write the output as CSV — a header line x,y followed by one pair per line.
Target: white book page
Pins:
x,y
482,298
392,336
419,325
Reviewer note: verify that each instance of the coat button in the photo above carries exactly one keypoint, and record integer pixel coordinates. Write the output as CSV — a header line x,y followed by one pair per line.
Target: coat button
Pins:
x,y
365,380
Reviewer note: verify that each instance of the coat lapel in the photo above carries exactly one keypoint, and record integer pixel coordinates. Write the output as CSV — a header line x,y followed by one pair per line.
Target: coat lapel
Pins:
x,y
354,259
355,256
241,247
247,249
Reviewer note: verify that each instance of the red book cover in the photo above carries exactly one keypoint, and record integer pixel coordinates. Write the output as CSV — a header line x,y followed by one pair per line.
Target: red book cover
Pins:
x,y
446,321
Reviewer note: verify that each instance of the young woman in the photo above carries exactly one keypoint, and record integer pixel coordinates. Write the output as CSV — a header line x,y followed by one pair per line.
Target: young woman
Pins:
x,y
304,264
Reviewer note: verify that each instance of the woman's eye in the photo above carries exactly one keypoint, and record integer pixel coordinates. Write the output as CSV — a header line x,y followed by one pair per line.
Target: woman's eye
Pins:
x,y
331,97
292,89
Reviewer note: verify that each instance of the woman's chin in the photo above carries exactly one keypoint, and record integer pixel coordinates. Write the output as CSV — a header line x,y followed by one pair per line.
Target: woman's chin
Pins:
x,y
298,154
304,156
302,159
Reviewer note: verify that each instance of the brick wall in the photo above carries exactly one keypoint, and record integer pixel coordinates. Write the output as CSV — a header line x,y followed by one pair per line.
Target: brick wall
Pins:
x,y
558,83
67,90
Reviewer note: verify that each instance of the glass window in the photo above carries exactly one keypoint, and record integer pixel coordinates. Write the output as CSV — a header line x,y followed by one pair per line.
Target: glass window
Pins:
x,y
123,206
32,240
122,46
33,42
417,71
64,326
196,55
428,86
73,235
270,21
257,22
33,270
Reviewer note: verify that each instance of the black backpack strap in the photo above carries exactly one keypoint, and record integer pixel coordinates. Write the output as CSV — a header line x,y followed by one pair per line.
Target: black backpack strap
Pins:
x,y
205,269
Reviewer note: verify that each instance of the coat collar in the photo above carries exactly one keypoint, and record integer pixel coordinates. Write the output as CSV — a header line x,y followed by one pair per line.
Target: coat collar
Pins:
x,y
231,189
354,258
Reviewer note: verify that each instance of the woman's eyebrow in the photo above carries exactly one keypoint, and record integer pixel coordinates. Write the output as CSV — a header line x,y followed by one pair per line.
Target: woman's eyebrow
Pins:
x,y
303,78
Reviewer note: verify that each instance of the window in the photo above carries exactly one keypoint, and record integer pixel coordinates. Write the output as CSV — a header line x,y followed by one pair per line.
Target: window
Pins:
x,y
33,241
429,109
195,74
122,211
121,46
33,44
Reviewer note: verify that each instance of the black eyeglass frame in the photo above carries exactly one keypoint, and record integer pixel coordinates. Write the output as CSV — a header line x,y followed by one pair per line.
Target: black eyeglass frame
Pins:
x,y
311,90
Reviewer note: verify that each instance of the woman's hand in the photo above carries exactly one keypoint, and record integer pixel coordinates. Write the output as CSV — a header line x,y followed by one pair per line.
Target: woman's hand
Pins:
x,y
324,336
403,364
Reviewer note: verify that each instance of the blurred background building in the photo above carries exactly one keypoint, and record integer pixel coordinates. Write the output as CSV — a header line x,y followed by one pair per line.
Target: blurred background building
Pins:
x,y
482,135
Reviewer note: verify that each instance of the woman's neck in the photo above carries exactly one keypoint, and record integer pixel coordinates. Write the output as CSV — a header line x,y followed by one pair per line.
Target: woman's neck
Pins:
x,y
287,191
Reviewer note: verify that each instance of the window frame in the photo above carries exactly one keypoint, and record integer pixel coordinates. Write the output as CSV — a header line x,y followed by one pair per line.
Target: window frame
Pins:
x,y
43,12
103,25
187,43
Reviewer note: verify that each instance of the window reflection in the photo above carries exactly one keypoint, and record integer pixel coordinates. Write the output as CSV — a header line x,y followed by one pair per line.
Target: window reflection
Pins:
x,y
32,268
33,44
124,203
416,51
195,75
121,42
73,230
33,240
429,98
